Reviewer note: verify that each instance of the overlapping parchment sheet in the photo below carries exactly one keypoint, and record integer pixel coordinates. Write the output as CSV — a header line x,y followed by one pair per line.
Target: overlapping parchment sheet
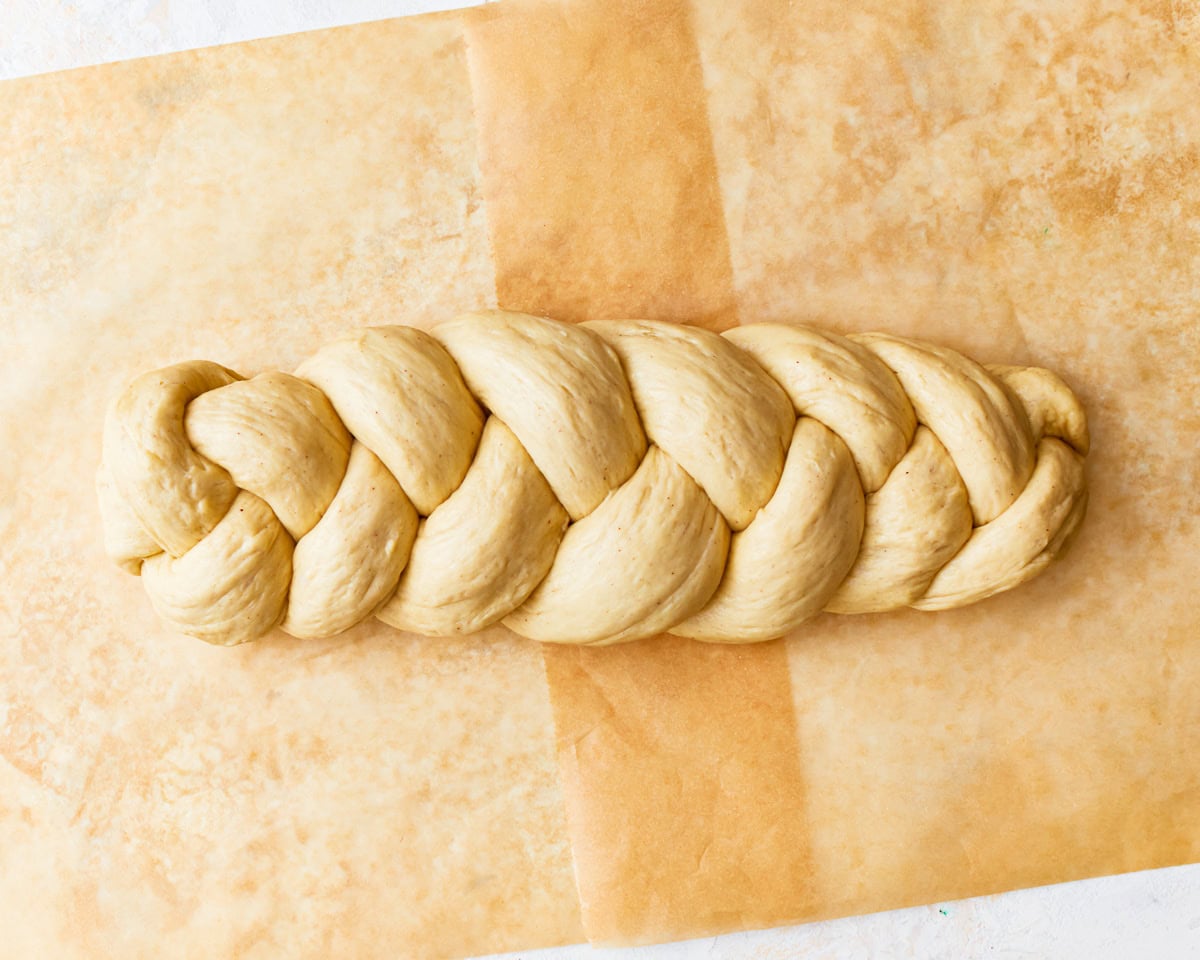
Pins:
x,y
1016,183
683,780
1019,182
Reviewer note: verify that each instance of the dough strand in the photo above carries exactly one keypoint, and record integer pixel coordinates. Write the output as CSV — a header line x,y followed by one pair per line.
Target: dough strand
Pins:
x,y
588,484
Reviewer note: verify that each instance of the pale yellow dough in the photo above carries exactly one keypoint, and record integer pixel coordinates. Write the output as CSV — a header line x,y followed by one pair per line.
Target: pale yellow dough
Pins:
x,y
588,484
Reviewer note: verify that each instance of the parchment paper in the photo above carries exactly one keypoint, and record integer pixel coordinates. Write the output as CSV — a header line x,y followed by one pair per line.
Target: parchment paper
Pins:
x,y
1018,181
376,795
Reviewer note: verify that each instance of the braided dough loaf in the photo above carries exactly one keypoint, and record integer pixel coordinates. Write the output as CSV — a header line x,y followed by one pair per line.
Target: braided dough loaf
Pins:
x,y
590,483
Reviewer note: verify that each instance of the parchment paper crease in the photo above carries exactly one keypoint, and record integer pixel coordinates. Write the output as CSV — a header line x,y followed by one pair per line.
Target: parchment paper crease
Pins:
x,y
1019,181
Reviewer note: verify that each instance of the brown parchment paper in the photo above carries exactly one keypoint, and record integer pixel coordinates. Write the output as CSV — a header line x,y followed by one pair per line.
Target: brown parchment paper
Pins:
x,y
1017,181
375,795
684,790
997,179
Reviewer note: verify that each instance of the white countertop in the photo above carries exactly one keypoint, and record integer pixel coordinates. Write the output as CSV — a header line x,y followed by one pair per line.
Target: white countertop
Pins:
x,y
1155,914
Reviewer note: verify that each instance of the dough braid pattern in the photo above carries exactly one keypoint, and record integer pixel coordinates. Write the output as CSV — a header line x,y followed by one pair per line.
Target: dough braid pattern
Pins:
x,y
588,484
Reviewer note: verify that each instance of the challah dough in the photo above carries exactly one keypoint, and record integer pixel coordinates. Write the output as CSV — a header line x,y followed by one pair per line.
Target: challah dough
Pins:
x,y
587,484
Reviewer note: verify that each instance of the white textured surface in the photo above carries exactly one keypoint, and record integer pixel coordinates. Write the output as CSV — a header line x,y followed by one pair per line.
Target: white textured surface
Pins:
x,y
1155,914
39,36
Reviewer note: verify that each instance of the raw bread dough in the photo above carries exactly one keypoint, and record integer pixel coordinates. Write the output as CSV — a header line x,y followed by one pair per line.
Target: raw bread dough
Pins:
x,y
588,484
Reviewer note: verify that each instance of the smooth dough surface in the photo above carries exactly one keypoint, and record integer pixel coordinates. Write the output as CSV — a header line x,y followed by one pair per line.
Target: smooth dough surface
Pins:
x,y
482,552
590,483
